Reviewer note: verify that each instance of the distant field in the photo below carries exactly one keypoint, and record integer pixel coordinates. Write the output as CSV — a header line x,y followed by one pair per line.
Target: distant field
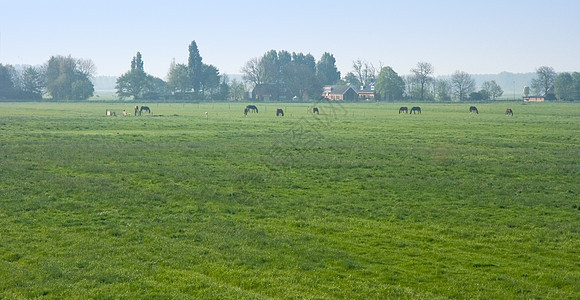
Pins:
x,y
104,95
358,202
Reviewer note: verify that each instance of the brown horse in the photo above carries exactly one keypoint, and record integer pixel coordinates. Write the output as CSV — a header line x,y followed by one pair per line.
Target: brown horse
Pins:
x,y
415,109
403,109
509,111
473,109
279,112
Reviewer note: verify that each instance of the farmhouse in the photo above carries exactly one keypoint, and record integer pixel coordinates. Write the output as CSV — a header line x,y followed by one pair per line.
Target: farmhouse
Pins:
x,y
533,99
339,93
349,92
366,92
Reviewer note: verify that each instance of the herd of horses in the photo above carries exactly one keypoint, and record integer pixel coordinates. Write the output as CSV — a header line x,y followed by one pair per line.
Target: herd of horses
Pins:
x,y
138,111
402,109
254,109
280,112
472,109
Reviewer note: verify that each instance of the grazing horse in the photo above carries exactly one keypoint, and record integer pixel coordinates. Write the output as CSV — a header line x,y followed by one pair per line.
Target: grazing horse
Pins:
x,y
145,108
509,111
279,111
473,109
252,108
315,110
403,109
415,109
136,109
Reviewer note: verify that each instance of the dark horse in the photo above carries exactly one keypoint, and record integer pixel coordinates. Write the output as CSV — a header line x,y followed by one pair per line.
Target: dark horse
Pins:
x,y
279,111
403,109
252,108
473,109
415,109
144,108
315,110
509,111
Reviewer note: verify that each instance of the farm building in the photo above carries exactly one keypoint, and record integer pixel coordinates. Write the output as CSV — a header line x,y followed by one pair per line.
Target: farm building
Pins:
x,y
339,93
533,99
366,92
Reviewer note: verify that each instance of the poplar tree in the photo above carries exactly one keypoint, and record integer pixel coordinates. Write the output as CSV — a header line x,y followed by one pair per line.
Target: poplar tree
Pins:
x,y
326,70
195,67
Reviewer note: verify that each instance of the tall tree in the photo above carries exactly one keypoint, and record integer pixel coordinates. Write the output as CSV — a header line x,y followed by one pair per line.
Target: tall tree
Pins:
x,y
442,90
137,62
352,79
298,77
237,90
326,70
463,84
567,86
284,58
270,66
252,71
390,86
178,78
136,83
544,81
33,83
364,71
66,81
492,89
210,79
6,82
86,67
576,83
422,75
195,66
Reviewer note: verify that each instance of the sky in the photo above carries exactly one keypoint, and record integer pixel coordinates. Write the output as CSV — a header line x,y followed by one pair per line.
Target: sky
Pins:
x,y
477,37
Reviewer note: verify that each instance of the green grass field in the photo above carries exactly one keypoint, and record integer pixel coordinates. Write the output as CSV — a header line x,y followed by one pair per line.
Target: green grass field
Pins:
x,y
358,202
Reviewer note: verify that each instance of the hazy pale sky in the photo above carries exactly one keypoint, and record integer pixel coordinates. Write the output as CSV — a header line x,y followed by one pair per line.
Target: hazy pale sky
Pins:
x,y
478,37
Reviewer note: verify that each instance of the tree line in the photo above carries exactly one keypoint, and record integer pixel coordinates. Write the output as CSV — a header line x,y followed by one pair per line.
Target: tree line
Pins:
x,y
293,75
62,77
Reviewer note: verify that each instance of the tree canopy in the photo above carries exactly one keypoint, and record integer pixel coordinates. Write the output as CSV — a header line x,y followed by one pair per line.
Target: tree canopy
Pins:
x,y
326,71
422,76
492,89
544,80
389,85
67,80
567,86
137,84
462,85
293,75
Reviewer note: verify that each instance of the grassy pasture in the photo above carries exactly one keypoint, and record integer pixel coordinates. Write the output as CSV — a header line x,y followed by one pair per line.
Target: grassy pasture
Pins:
x,y
356,203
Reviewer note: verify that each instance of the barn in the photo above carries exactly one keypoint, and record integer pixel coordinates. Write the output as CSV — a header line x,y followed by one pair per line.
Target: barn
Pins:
x,y
533,99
